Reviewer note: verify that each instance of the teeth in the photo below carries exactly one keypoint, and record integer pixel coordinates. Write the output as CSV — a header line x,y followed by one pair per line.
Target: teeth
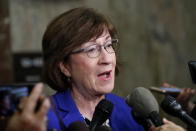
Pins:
x,y
107,74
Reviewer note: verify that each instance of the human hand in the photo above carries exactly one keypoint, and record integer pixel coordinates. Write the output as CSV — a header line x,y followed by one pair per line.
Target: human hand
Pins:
x,y
28,119
184,97
168,126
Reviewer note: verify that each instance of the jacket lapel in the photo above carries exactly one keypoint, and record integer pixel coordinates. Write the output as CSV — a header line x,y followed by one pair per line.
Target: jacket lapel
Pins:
x,y
67,108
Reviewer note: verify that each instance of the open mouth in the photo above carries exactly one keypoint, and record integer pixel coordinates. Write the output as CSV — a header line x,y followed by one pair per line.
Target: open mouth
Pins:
x,y
106,74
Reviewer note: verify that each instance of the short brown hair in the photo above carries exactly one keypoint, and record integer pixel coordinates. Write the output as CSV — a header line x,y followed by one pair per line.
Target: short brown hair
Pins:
x,y
66,32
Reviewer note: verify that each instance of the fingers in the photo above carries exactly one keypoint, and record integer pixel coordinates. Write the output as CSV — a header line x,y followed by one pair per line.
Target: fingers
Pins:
x,y
169,85
22,103
152,128
165,121
184,99
29,104
186,95
191,92
43,109
169,126
166,85
29,119
33,98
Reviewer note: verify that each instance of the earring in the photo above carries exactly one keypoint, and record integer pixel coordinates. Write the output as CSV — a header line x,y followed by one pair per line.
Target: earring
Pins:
x,y
69,79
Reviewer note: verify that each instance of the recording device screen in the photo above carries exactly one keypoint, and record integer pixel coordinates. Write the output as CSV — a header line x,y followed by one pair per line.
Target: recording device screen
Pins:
x,y
166,90
10,96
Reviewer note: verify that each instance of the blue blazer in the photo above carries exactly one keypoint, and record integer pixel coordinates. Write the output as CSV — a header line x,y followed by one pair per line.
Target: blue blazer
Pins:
x,y
120,119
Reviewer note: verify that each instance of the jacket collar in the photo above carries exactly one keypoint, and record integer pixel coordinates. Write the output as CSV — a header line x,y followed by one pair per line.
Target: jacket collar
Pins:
x,y
65,102
67,108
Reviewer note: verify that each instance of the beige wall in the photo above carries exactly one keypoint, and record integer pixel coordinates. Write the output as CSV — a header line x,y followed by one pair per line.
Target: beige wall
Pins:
x,y
156,37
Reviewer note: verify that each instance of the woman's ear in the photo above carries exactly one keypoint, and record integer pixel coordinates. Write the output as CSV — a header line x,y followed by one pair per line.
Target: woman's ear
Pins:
x,y
65,69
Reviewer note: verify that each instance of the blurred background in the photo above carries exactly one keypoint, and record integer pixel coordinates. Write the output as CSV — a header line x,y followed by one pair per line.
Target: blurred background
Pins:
x,y
157,39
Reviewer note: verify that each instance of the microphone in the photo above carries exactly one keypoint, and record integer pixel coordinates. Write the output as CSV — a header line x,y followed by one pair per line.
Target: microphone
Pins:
x,y
78,126
102,112
172,107
145,108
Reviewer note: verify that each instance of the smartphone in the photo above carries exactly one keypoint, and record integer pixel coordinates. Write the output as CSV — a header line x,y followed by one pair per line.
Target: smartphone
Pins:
x,y
166,90
11,95
192,69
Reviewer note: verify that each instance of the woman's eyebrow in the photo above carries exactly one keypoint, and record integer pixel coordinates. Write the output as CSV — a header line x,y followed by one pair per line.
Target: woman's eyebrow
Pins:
x,y
107,37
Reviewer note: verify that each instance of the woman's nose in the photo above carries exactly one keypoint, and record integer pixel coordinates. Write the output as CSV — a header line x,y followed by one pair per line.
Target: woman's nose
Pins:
x,y
105,57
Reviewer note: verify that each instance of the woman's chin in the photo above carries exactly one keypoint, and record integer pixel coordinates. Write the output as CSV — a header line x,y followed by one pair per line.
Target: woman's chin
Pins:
x,y
106,90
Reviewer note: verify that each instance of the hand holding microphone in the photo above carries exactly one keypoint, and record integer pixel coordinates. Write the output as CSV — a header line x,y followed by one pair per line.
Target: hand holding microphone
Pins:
x,y
172,107
183,97
168,126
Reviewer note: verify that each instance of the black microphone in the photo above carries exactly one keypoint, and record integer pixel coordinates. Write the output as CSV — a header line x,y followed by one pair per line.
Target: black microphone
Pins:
x,y
145,108
102,112
103,128
78,126
172,107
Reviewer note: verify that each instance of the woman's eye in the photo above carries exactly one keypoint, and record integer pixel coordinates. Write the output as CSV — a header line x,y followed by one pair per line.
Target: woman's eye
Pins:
x,y
92,49
109,45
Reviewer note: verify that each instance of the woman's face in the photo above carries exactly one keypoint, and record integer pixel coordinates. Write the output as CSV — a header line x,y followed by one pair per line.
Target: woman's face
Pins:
x,y
92,75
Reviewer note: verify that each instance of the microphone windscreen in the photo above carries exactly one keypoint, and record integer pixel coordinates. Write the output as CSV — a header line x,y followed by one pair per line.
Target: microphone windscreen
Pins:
x,y
142,102
78,126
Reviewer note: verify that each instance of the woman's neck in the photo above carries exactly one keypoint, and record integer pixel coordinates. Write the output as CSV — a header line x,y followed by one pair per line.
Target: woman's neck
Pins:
x,y
86,102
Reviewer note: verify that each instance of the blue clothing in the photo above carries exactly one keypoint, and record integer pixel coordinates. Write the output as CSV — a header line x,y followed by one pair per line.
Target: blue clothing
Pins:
x,y
120,119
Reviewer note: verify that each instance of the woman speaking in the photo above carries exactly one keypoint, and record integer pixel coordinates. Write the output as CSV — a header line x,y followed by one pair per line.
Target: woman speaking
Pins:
x,y
79,54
